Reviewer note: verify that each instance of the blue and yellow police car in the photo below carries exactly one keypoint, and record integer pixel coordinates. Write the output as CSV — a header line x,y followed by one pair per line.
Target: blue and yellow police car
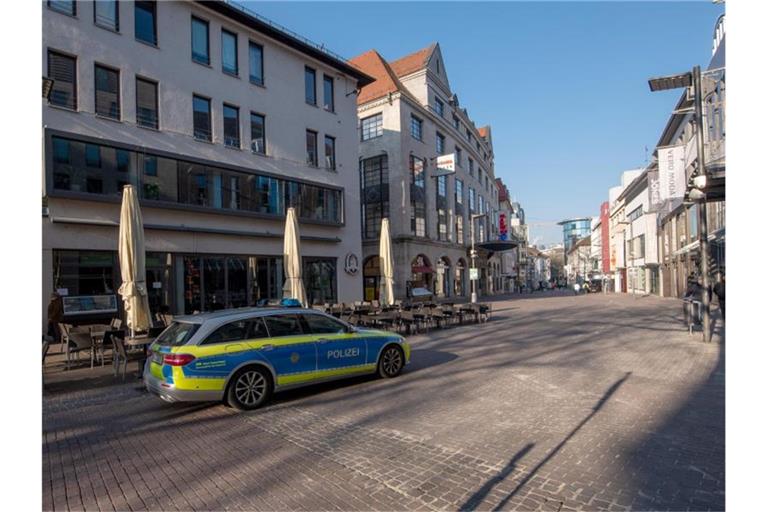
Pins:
x,y
241,356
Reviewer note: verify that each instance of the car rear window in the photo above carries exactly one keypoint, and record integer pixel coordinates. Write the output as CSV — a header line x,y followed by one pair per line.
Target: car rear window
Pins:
x,y
177,334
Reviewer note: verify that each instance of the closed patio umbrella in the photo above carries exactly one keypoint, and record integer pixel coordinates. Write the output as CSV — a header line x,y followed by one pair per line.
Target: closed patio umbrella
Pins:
x,y
387,287
293,288
130,247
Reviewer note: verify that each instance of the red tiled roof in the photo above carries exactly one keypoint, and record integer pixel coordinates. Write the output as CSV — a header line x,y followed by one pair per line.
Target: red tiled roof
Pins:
x,y
483,131
413,62
373,64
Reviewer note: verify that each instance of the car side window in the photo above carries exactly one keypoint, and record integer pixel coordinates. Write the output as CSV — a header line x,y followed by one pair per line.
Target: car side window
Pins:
x,y
319,324
283,325
258,329
233,331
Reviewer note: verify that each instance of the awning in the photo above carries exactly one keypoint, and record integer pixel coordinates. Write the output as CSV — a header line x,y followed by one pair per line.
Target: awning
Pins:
x,y
498,245
424,269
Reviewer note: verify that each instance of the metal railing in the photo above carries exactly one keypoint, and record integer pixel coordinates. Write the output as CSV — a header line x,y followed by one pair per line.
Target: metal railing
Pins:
x,y
286,31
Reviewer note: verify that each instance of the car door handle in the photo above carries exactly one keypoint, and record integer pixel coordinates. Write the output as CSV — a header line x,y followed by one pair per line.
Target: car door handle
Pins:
x,y
267,347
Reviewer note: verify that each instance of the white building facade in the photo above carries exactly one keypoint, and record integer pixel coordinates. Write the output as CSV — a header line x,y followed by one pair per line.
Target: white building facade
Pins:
x,y
221,121
407,118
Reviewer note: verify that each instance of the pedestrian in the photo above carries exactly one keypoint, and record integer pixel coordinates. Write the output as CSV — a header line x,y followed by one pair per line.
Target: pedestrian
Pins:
x,y
55,316
719,290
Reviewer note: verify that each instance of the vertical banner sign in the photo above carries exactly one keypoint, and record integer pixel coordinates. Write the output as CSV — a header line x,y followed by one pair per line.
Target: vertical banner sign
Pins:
x,y
654,188
502,226
671,172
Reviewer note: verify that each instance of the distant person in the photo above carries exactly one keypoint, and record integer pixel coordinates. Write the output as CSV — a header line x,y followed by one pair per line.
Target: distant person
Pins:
x,y
719,290
55,316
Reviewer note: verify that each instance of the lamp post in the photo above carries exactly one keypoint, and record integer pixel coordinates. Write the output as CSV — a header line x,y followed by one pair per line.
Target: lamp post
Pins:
x,y
473,255
688,79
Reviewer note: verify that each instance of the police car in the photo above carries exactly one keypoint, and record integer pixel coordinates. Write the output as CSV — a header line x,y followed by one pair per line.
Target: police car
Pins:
x,y
241,356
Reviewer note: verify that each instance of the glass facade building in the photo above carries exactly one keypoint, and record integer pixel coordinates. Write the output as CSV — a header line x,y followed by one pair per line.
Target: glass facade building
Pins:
x,y
574,230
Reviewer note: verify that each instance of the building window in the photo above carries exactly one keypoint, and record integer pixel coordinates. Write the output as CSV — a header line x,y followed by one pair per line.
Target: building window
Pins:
x,y
458,156
442,208
63,7
312,148
258,134
472,200
328,93
439,107
374,181
256,62
459,192
418,198
442,186
416,126
202,118
93,155
371,127
145,26
107,92
231,126
178,181
320,277
146,103
469,137
460,229
200,42
229,52
106,15
310,89
635,214
440,143
456,122
150,165
330,152
62,69
471,166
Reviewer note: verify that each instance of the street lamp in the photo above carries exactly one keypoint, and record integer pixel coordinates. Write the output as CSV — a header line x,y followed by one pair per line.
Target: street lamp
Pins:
x,y
473,255
688,79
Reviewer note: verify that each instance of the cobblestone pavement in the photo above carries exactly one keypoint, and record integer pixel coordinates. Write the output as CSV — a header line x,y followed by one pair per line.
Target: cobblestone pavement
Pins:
x,y
597,402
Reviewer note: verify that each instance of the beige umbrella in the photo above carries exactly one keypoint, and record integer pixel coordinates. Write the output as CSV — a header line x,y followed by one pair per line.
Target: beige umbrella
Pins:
x,y
294,286
387,286
130,247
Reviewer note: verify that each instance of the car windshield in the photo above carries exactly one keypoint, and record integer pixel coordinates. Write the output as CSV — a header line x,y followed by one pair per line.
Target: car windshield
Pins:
x,y
178,333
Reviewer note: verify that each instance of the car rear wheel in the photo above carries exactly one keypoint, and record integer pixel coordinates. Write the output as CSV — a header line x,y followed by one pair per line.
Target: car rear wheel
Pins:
x,y
250,388
391,362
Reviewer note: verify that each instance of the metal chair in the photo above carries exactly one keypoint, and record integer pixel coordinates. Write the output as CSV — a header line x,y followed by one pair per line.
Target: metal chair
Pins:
x,y
122,357
79,342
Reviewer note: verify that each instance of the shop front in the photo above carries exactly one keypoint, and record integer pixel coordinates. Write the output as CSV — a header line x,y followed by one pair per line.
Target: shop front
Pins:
x,y
188,283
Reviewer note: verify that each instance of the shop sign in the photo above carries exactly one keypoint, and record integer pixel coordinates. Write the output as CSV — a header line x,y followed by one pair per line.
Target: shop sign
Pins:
x,y
502,226
671,172
446,164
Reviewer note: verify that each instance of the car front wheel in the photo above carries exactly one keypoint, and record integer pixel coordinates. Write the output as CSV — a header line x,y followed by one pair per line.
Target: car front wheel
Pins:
x,y
250,388
391,362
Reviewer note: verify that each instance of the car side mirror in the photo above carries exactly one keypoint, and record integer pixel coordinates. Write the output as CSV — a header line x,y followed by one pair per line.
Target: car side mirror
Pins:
x,y
351,329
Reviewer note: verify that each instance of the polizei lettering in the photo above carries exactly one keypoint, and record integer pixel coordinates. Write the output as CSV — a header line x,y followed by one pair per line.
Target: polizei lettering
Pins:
x,y
340,354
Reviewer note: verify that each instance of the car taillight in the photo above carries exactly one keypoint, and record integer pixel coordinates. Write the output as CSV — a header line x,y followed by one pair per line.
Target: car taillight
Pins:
x,y
178,359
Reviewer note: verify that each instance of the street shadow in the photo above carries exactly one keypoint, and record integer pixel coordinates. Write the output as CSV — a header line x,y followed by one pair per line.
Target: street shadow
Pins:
x,y
473,500
477,498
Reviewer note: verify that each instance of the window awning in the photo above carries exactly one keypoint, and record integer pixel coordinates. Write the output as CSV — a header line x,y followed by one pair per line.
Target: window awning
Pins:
x,y
424,269
498,245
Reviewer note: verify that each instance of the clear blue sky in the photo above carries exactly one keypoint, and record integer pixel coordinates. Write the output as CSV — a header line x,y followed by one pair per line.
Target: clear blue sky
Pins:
x,y
563,85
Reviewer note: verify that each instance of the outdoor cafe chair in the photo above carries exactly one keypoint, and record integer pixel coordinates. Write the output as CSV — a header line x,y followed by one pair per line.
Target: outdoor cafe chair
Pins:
x,y
79,342
122,357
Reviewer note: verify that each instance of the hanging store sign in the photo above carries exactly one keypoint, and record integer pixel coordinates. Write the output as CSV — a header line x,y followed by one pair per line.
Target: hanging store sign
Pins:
x,y
446,164
671,172
654,189
502,226
474,274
